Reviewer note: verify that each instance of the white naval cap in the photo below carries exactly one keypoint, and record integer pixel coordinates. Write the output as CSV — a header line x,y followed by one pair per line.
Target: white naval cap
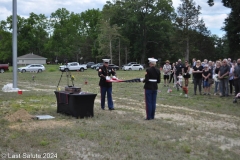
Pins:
x,y
152,60
106,60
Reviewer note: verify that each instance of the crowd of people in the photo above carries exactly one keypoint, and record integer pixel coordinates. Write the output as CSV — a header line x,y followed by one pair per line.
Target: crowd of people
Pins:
x,y
223,75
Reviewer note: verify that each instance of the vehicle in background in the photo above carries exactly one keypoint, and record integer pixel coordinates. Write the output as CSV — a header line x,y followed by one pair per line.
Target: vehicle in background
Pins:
x,y
73,66
89,64
130,63
96,65
32,68
133,67
115,67
144,65
3,68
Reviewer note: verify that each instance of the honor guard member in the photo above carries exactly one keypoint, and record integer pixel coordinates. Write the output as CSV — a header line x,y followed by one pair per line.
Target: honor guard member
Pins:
x,y
152,78
104,73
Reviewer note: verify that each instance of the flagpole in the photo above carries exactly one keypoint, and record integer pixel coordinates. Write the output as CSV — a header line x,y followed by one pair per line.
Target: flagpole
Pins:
x,y
14,42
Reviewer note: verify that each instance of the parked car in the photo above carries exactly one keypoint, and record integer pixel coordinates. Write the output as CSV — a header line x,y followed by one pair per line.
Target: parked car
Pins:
x,y
3,68
130,63
32,68
115,67
73,66
133,67
96,65
89,64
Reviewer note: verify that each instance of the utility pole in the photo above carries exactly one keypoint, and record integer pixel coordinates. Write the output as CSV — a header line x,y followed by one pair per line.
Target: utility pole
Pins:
x,y
14,42
119,53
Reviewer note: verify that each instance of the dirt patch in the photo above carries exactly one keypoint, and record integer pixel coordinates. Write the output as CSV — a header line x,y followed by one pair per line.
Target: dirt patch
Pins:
x,y
40,124
20,115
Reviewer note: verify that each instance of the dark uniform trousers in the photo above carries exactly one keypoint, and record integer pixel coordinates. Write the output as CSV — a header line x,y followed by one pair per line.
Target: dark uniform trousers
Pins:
x,y
152,77
103,91
150,99
106,87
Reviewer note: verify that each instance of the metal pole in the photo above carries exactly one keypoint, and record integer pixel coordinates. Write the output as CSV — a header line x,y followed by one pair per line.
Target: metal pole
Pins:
x,y
119,53
14,42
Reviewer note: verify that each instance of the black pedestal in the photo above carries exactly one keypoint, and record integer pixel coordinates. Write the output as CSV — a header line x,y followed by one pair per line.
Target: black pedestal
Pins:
x,y
77,105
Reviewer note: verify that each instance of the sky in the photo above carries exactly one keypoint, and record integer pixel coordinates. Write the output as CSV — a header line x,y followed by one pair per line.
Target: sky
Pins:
x,y
212,16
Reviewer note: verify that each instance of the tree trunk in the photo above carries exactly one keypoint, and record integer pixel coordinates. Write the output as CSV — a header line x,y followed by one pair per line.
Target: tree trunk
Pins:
x,y
144,45
110,45
187,50
126,55
119,54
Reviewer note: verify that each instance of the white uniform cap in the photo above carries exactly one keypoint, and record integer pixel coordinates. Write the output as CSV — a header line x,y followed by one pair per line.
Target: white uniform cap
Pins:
x,y
106,60
152,60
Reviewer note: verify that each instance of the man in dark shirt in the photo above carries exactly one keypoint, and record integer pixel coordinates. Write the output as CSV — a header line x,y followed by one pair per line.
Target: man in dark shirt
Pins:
x,y
106,87
236,74
179,70
223,76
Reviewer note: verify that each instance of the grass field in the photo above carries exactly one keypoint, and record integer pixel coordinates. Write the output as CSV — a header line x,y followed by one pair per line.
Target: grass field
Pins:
x,y
196,128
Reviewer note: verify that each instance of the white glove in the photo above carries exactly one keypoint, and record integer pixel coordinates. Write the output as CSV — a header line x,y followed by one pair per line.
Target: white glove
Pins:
x,y
108,78
114,78
141,79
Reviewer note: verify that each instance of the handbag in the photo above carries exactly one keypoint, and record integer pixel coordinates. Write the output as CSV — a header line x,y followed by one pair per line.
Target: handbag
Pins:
x,y
211,81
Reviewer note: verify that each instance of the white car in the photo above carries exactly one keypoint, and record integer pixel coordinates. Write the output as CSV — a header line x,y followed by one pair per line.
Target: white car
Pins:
x,y
32,68
137,67
73,66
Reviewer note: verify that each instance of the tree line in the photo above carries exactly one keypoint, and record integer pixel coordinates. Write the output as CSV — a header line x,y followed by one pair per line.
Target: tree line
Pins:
x,y
126,30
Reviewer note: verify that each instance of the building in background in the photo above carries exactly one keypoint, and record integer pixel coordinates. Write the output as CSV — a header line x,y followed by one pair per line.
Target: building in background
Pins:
x,y
31,59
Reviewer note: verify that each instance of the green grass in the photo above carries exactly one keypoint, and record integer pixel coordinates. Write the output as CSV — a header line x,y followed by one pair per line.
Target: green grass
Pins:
x,y
198,127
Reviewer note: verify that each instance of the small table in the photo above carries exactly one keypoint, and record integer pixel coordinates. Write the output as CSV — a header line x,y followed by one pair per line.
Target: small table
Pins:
x,y
75,104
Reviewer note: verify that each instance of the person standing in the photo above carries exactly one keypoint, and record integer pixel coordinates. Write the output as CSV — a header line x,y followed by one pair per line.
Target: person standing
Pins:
x,y
106,87
193,64
217,89
172,73
236,74
152,78
206,74
197,73
186,74
166,73
223,76
179,70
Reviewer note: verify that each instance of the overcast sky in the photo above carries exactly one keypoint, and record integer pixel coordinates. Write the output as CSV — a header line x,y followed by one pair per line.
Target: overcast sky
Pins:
x,y
212,16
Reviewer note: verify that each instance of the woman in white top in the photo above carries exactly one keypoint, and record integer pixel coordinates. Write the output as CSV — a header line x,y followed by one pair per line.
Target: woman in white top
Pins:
x,y
166,72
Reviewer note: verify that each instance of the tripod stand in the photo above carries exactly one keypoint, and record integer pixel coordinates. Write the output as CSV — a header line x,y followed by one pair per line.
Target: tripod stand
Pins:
x,y
68,73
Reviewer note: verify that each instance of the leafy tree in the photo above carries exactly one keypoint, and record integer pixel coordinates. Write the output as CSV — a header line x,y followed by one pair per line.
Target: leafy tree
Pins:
x,y
5,46
107,35
90,20
146,24
188,21
232,26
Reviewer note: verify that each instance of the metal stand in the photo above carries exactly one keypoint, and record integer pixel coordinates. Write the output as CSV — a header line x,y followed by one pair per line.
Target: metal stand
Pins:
x,y
68,73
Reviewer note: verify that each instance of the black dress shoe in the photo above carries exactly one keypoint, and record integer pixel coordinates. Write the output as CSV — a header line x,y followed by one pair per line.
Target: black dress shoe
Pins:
x,y
146,119
103,108
111,109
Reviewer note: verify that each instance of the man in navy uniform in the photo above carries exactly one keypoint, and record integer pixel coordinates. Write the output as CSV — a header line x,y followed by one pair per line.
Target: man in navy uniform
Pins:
x,y
152,78
104,73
